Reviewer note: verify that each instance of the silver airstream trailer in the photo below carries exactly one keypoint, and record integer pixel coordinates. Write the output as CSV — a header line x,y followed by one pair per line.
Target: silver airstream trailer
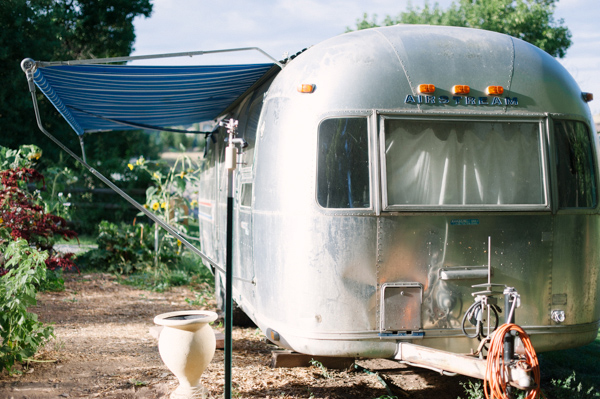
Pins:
x,y
390,170
396,183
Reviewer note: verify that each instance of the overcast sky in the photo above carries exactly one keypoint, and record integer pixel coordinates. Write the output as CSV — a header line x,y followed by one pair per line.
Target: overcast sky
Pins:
x,y
280,26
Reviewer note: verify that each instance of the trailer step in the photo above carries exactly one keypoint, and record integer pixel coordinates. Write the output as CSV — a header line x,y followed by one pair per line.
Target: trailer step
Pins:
x,y
288,358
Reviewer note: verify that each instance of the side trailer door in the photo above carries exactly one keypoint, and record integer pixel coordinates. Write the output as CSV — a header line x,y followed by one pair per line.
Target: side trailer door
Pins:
x,y
243,252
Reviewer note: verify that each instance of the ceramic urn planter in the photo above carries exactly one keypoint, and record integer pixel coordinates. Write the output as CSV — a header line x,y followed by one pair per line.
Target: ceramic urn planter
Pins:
x,y
187,345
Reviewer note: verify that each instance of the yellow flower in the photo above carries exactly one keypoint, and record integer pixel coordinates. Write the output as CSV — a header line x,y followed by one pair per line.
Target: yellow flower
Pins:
x,y
194,203
155,175
146,206
155,206
163,205
140,161
130,166
1,220
182,174
178,243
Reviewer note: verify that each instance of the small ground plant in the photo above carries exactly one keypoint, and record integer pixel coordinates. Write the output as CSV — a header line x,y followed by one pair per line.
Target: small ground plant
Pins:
x,y
570,388
473,390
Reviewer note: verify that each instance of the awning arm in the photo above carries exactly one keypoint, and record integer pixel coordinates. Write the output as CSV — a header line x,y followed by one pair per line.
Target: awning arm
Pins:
x,y
155,56
28,67
82,145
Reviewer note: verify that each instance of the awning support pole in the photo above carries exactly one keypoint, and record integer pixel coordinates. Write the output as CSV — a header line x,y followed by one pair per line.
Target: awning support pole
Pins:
x,y
29,73
230,164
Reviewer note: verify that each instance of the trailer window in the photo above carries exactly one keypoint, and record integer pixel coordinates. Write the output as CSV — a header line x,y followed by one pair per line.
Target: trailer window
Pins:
x,y
250,132
446,163
343,164
246,195
574,165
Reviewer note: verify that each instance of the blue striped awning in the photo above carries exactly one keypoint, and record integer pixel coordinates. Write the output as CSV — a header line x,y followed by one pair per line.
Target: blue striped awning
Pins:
x,y
95,98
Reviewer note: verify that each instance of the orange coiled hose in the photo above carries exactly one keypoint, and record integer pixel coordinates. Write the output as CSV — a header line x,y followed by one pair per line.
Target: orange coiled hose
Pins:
x,y
494,383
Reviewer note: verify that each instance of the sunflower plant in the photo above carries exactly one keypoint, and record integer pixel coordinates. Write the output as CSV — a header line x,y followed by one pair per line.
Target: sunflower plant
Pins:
x,y
168,196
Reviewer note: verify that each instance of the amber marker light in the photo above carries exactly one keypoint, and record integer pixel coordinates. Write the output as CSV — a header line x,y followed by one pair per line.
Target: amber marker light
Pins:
x,y
461,89
426,89
306,88
494,90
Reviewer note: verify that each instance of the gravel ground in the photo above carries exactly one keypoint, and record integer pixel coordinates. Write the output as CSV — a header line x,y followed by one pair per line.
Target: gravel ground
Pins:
x,y
104,349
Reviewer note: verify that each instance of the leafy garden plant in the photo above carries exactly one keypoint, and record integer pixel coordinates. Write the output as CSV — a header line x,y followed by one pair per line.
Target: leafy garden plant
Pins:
x,y
22,212
27,235
21,334
55,201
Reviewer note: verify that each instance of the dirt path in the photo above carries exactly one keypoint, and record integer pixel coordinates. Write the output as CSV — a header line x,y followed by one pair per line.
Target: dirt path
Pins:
x,y
103,349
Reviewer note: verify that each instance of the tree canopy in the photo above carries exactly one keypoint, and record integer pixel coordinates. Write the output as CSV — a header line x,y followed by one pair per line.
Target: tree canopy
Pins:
x,y
47,30
529,20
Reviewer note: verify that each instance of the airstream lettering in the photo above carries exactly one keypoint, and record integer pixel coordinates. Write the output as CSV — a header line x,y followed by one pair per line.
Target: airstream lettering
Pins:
x,y
364,215
410,99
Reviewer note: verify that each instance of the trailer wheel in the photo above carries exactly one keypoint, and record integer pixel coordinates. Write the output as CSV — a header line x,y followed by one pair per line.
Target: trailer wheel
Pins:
x,y
239,317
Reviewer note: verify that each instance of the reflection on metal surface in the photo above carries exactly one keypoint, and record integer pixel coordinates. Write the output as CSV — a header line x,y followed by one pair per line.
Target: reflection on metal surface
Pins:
x,y
462,273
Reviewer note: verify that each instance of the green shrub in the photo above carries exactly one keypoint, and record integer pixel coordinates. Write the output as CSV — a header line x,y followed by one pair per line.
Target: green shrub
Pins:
x,y
126,249
54,281
20,331
122,248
